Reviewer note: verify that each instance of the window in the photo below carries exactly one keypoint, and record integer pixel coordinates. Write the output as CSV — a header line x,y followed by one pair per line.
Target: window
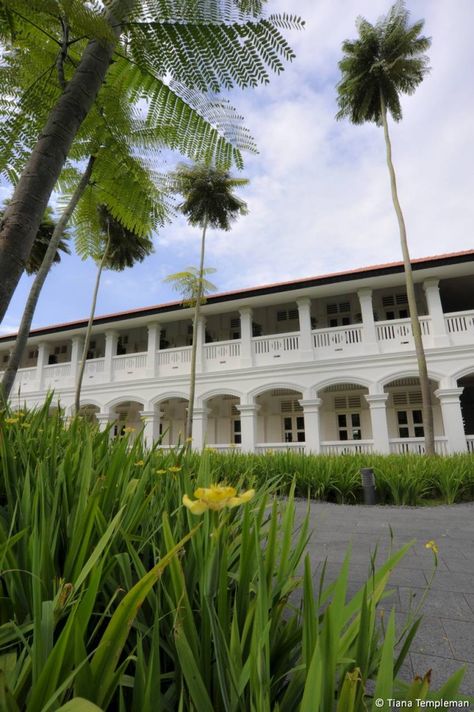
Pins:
x,y
410,423
348,426
293,429
236,431
396,306
287,314
292,421
339,314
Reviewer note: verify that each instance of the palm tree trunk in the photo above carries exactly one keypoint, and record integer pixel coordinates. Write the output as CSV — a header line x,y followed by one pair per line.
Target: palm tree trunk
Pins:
x,y
23,215
80,375
35,291
197,308
415,323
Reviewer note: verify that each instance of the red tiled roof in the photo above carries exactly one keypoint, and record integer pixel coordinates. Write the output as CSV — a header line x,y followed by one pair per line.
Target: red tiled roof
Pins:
x,y
168,306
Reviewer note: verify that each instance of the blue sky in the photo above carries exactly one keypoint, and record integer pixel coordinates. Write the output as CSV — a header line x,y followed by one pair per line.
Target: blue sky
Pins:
x,y
319,198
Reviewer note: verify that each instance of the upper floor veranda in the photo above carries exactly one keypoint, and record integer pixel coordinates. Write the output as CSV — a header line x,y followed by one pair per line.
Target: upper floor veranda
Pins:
x,y
347,315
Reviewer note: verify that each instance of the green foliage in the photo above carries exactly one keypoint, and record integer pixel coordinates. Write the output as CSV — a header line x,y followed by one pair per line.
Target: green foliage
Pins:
x,y
41,242
114,595
190,285
208,197
386,60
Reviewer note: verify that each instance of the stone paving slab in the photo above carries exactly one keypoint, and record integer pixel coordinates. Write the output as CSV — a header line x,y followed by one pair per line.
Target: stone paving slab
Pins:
x,y
445,640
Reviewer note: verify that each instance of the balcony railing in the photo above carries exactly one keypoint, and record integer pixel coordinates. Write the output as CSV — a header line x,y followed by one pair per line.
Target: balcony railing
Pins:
x,y
402,446
340,338
279,447
268,348
221,352
128,365
470,443
346,447
460,326
398,332
56,373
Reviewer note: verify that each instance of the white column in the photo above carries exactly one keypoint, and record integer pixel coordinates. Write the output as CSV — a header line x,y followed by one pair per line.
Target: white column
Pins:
x,y
199,427
311,424
153,346
306,337
452,418
438,329
111,338
248,426
369,334
246,356
201,338
41,363
378,416
76,353
104,419
151,426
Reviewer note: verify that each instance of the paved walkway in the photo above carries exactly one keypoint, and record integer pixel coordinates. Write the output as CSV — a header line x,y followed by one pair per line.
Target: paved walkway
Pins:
x,y
445,640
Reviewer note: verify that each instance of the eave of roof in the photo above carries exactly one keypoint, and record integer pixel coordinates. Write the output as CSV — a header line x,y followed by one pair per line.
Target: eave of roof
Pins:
x,y
333,277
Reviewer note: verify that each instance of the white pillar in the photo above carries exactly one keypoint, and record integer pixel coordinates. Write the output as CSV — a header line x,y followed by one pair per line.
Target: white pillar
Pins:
x,y
199,427
111,338
201,338
438,329
151,426
76,353
311,424
306,337
248,426
104,419
378,416
41,363
246,356
452,418
153,346
369,334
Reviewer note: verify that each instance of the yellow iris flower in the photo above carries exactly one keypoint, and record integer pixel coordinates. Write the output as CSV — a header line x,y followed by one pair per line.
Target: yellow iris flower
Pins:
x,y
432,545
11,421
216,497
174,468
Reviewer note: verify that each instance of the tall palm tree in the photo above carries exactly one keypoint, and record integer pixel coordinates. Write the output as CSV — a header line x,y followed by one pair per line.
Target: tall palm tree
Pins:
x,y
119,248
209,201
386,60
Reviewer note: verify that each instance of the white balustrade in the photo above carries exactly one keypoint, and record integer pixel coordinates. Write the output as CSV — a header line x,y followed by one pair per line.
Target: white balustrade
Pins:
x,y
267,348
128,364
25,379
221,352
460,326
279,447
55,373
398,332
470,443
94,366
228,448
402,446
346,447
338,338
171,360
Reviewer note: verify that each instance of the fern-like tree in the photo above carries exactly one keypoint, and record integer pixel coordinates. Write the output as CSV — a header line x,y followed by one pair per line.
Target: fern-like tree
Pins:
x,y
117,248
208,201
170,54
386,60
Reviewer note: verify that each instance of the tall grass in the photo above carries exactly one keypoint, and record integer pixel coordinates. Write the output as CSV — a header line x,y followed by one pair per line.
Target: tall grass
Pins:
x,y
400,479
113,594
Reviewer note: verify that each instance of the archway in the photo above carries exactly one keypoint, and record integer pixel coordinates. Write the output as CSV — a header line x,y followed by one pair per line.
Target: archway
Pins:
x,y
405,416
345,421
223,422
280,420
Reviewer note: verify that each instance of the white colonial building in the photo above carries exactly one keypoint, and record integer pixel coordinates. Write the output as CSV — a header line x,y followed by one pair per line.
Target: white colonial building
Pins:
x,y
324,364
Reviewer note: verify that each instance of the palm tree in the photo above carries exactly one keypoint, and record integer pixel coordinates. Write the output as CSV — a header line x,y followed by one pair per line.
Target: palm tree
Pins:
x,y
173,55
119,247
386,60
208,202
